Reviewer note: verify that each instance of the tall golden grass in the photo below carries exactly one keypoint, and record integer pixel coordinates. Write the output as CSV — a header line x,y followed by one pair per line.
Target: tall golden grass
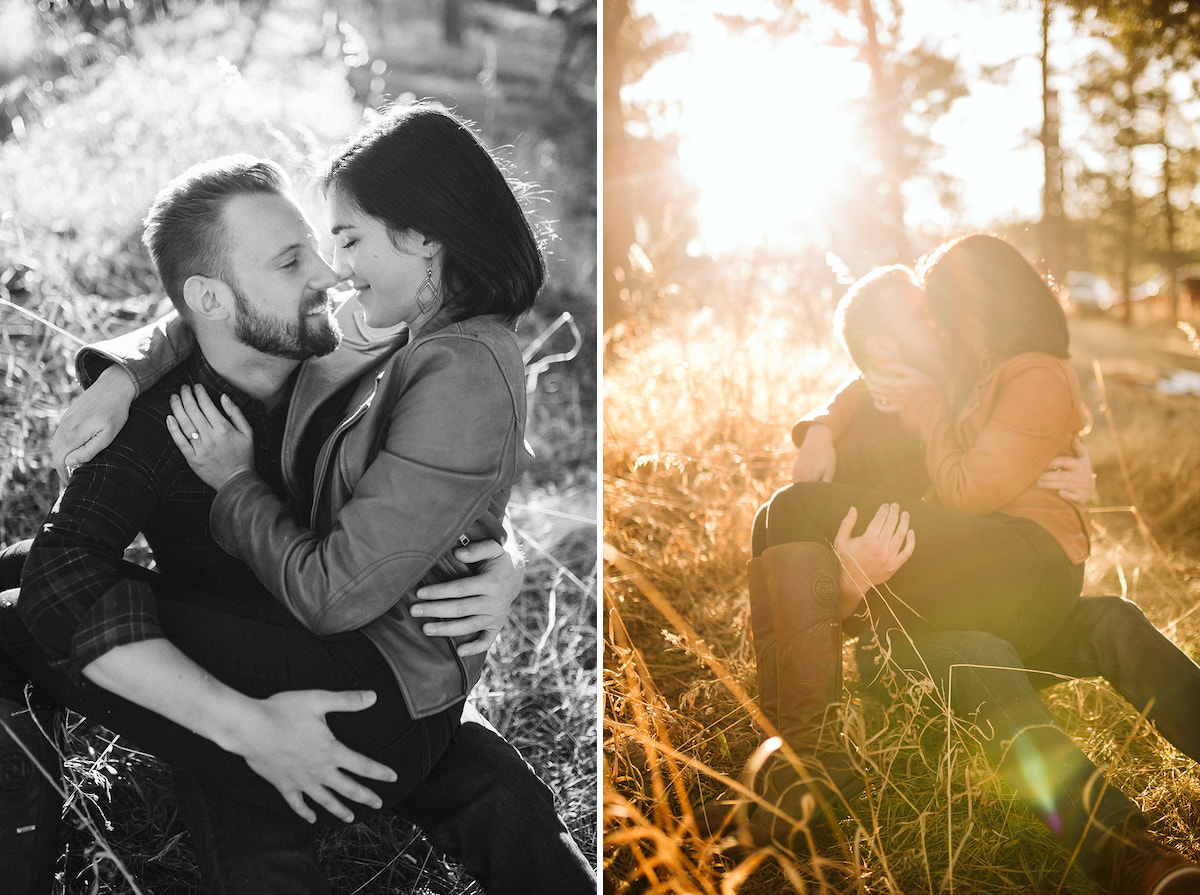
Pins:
x,y
696,416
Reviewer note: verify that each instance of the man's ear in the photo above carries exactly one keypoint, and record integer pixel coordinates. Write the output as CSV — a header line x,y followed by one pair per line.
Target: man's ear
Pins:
x,y
208,298
881,350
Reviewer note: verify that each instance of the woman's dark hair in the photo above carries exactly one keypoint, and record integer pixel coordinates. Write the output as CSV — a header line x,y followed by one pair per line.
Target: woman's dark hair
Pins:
x,y
422,168
991,304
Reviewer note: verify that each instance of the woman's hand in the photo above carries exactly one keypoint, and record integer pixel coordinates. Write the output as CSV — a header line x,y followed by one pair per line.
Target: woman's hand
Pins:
x,y
476,605
216,445
875,555
92,421
817,459
1071,477
893,384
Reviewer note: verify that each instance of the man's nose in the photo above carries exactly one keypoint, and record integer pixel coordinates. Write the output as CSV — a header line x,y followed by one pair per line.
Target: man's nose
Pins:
x,y
326,277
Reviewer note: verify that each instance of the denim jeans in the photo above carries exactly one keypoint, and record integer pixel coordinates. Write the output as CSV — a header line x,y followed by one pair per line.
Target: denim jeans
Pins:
x,y
984,678
1001,574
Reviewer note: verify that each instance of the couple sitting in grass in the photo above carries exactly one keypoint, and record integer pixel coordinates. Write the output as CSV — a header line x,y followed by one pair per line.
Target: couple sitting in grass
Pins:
x,y
937,513
324,490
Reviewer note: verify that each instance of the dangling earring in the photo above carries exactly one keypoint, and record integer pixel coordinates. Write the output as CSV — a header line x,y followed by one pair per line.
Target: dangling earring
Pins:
x,y
427,292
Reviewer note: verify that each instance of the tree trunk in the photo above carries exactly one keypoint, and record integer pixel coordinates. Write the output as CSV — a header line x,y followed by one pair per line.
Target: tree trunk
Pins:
x,y
1169,210
1051,161
452,22
890,140
618,223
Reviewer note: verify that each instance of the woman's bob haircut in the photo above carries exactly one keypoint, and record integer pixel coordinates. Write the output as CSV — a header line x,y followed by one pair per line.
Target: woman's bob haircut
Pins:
x,y
419,167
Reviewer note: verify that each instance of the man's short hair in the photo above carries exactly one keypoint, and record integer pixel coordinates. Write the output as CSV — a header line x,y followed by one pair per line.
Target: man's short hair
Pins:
x,y
185,232
862,310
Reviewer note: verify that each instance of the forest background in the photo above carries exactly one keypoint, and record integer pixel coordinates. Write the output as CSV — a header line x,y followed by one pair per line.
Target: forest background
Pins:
x,y
732,224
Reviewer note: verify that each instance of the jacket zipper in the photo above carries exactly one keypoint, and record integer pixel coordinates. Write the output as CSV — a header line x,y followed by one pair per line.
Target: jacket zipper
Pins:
x,y
325,458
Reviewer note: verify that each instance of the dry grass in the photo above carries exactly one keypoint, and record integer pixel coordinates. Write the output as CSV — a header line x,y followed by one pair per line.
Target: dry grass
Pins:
x,y
696,419
73,188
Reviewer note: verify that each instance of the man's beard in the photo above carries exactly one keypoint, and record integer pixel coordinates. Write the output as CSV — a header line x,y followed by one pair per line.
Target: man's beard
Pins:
x,y
299,339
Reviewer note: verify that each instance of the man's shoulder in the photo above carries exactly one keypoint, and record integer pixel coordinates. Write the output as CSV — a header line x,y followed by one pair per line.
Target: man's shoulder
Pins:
x,y
145,436
156,400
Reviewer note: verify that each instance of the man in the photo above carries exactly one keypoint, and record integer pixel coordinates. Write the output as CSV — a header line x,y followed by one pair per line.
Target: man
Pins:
x,y
857,440
239,260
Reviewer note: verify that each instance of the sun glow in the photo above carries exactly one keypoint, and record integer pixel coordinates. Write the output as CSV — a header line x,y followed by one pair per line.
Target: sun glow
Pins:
x,y
765,126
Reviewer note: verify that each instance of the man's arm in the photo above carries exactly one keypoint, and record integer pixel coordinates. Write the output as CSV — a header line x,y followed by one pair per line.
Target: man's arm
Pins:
x,y
283,738
92,620
478,604
1071,476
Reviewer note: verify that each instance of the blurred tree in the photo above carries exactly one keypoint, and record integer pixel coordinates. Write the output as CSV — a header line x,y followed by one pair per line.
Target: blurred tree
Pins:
x,y
452,22
646,203
1135,94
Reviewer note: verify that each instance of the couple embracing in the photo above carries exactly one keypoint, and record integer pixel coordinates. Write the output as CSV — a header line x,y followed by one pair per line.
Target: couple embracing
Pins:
x,y
324,489
938,514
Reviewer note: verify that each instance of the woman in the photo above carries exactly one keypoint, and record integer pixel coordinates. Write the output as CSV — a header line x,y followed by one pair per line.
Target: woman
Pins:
x,y
444,260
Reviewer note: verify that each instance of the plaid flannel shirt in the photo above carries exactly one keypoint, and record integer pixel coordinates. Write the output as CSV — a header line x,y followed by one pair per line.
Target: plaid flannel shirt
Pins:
x,y
76,599
873,448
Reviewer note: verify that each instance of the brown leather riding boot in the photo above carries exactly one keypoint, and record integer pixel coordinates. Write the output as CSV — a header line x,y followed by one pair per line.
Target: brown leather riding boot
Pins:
x,y
802,580
762,627
30,804
803,584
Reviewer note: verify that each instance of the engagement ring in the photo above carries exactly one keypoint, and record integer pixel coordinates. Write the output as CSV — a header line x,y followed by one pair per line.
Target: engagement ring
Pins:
x,y
195,436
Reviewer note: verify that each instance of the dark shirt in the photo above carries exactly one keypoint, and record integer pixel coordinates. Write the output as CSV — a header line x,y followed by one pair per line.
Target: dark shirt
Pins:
x,y
78,599
875,451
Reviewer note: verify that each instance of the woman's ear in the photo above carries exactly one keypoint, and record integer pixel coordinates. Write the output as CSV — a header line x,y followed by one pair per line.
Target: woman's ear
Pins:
x,y
413,242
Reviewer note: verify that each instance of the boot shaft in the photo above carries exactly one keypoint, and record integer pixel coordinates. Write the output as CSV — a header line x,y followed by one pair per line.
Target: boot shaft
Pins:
x,y
30,804
802,582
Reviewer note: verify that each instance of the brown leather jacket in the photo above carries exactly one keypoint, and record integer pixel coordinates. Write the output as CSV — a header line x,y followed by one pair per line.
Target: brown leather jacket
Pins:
x,y
425,460
988,458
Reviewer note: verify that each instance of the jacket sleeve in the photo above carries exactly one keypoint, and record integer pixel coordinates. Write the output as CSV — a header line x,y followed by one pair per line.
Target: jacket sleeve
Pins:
x,y
1033,416
453,440
146,354
837,414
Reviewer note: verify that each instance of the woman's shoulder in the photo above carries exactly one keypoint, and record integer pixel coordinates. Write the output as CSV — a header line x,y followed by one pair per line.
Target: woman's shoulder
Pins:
x,y
1038,378
1037,364
480,337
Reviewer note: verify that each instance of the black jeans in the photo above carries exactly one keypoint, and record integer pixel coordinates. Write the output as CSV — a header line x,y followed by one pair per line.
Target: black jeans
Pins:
x,y
982,677
481,802
997,573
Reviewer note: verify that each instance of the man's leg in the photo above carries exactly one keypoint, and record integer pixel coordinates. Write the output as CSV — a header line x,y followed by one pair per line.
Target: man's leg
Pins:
x,y
1111,637
484,806
985,679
